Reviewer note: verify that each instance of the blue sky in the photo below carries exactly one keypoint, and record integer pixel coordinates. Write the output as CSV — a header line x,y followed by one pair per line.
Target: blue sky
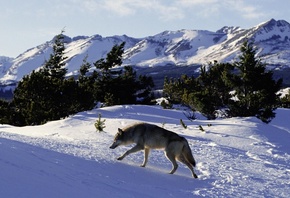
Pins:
x,y
26,24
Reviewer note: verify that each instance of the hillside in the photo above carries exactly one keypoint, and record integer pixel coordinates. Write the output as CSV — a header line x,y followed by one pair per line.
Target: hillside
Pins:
x,y
237,157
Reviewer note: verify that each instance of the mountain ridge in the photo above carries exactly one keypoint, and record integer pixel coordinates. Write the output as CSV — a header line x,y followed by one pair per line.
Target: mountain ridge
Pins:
x,y
180,48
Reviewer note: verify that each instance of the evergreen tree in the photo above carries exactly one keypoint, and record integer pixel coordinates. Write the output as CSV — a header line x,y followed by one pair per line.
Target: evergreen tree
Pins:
x,y
254,87
144,93
4,112
113,59
211,93
285,101
177,90
119,86
173,90
45,94
125,86
86,85
206,93
104,83
33,98
54,67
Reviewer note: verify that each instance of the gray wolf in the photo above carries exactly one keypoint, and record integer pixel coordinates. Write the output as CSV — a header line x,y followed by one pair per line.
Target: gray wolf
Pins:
x,y
148,136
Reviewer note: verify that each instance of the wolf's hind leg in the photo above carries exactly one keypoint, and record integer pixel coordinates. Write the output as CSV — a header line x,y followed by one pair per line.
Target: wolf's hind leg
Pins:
x,y
171,157
146,153
134,149
189,165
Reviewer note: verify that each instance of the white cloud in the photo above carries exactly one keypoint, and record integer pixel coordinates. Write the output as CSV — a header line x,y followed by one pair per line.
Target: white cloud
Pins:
x,y
168,12
245,9
89,5
162,8
196,2
175,9
121,7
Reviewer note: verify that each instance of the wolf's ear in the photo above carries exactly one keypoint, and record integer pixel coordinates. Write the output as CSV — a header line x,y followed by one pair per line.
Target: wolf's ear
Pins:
x,y
120,130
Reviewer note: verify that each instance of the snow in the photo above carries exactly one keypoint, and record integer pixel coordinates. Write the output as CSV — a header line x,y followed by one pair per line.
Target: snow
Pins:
x,y
284,92
236,157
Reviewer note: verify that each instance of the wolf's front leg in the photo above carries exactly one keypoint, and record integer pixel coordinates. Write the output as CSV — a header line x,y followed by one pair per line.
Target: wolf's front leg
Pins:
x,y
135,149
146,153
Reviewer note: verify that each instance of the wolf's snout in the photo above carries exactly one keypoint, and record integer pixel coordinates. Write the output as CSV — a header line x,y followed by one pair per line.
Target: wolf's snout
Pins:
x,y
113,146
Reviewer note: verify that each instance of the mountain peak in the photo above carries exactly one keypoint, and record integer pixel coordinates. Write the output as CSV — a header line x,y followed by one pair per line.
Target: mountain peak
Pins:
x,y
228,29
66,39
272,23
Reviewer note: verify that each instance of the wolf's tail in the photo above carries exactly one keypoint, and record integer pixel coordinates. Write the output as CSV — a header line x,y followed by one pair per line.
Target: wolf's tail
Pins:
x,y
186,151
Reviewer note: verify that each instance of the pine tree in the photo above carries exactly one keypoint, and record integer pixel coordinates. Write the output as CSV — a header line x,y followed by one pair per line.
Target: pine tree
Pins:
x,y
212,93
104,83
40,96
285,101
33,99
173,90
85,84
143,90
206,93
113,59
119,86
178,90
4,112
254,87
100,124
54,67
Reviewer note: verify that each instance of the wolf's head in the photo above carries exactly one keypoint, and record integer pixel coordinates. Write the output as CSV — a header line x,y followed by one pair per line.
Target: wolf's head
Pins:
x,y
118,140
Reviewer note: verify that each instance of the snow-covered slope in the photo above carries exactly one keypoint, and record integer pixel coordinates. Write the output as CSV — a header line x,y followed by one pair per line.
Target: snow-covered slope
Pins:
x,y
5,63
183,47
170,47
237,157
94,47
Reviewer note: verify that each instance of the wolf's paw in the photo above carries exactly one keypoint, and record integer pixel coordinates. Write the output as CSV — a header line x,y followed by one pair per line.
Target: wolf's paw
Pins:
x,y
119,158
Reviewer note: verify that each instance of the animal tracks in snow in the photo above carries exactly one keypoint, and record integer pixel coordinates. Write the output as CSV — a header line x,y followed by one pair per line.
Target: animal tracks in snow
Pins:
x,y
261,142
220,163
263,150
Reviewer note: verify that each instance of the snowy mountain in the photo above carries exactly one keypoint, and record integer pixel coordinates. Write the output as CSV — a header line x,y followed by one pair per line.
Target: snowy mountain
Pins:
x,y
77,48
175,48
236,157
